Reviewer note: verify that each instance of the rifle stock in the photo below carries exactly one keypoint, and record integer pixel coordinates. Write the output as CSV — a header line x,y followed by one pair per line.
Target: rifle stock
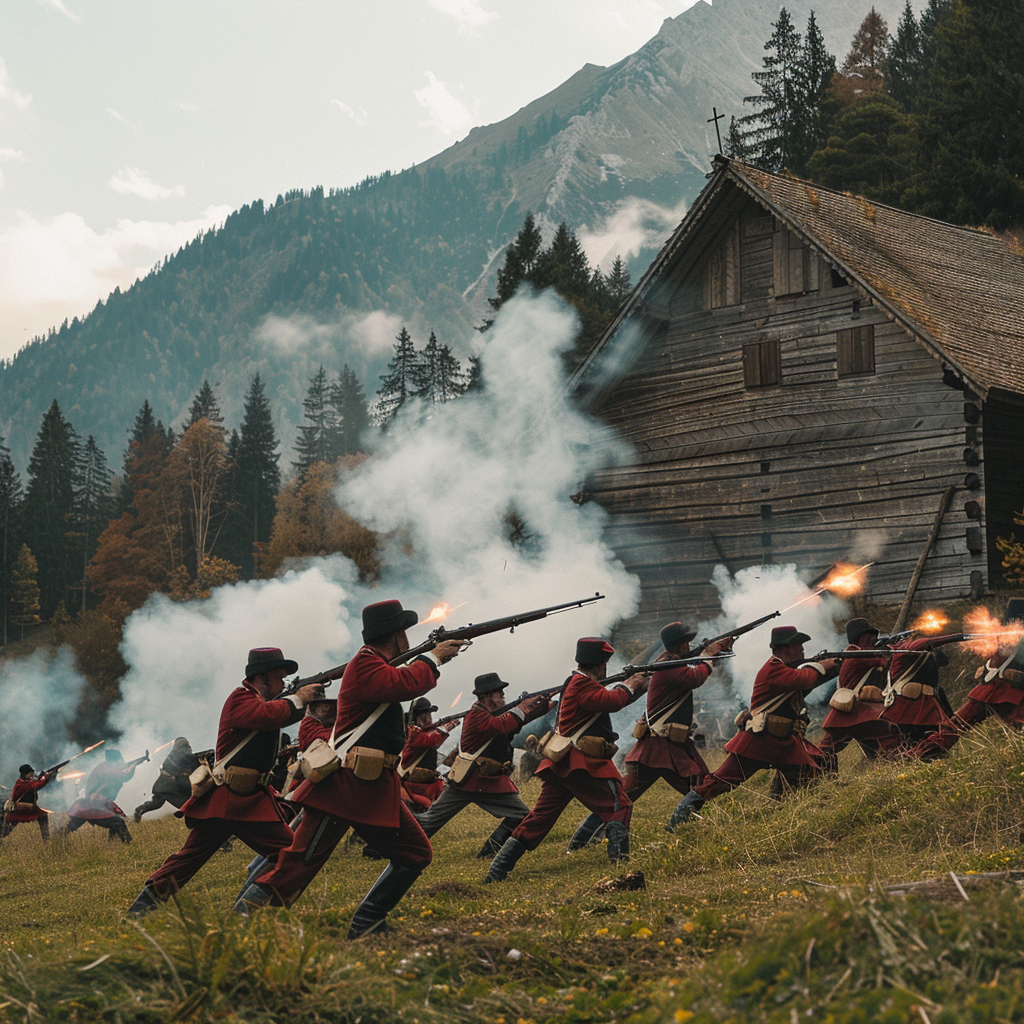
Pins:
x,y
504,708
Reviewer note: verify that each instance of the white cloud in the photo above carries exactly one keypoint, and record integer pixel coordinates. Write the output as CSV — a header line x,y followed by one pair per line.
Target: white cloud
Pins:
x,y
359,116
467,14
130,181
447,114
120,117
8,94
60,267
8,153
636,224
56,5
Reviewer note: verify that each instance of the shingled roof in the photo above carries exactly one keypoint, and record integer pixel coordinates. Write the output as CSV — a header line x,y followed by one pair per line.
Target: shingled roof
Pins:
x,y
959,290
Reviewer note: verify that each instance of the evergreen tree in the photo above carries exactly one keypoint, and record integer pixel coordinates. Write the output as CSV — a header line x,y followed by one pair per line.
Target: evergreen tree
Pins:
x,y
905,61
618,282
736,147
353,417
25,593
772,132
50,502
474,375
94,505
520,261
439,376
317,435
869,48
399,384
10,504
563,266
815,72
204,406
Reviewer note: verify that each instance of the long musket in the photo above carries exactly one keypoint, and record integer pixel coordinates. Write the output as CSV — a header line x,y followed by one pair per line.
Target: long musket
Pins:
x,y
661,666
738,631
861,653
503,709
57,767
469,633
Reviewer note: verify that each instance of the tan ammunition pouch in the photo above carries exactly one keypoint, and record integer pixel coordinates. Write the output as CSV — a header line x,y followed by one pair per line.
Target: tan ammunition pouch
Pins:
x,y
913,690
554,746
461,767
201,780
779,726
243,781
421,776
843,699
673,731
489,767
20,807
641,729
596,746
8,806
764,719
741,720
318,761
871,694
368,764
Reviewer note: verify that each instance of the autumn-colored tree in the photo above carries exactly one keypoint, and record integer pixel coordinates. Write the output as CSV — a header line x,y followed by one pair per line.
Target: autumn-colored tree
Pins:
x,y
213,572
25,590
309,522
201,459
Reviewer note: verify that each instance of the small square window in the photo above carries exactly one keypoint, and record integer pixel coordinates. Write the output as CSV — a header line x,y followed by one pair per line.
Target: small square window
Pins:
x,y
855,351
761,364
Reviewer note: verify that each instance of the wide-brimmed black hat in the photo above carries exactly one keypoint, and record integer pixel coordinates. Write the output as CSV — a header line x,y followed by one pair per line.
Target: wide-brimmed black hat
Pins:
x,y
675,634
420,706
488,683
1014,610
384,618
783,636
266,659
593,650
856,628
25,769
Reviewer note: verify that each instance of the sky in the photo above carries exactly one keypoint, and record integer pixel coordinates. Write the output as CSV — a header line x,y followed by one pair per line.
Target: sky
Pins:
x,y
127,128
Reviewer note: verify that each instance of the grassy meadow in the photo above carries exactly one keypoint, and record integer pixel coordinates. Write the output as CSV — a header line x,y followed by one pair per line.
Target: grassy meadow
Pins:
x,y
758,912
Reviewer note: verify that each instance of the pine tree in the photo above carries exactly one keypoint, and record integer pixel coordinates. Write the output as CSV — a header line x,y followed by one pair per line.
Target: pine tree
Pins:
x,y
474,375
353,417
520,262
399,384
563,266
317,436
815,72
25,594
905,61
772,132
618,282
204,406
869,48
94,505
10,505
49,506
736,147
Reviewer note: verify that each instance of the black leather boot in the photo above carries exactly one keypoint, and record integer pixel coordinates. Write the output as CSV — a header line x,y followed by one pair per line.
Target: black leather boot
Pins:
x,y
496,840
618,841
685,809
144,903
253,897
393,883
505,860
589,831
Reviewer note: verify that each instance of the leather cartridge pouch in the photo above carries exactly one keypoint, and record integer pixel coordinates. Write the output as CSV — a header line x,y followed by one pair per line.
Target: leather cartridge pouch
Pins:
x,y
641,729
554,746
672,731
8,806
201,780
422,776
596,746
20,807
913,690
741,719
318,760
367,763
843,699
871,694
779,726
489,767
242,781
460,767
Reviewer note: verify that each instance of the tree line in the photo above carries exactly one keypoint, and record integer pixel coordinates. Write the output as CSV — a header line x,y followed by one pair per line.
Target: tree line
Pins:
x,y
928,119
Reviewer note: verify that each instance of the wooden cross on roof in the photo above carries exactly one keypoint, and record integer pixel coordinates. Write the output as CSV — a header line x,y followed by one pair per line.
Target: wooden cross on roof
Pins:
x,y
718,117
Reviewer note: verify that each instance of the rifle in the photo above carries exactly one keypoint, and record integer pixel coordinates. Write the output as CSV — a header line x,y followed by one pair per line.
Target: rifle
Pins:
x,y
57,767
892,638
867,652
132,765
503,709
662,666
738,631
467,633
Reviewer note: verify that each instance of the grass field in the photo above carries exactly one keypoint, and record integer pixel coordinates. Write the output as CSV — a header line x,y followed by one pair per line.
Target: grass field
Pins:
x,y
758,912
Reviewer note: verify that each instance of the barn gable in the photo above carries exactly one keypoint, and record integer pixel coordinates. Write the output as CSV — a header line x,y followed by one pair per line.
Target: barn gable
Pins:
x,y
803,375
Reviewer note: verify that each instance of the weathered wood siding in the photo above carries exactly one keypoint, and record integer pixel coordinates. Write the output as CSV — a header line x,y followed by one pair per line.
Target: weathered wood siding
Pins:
x,y
811,470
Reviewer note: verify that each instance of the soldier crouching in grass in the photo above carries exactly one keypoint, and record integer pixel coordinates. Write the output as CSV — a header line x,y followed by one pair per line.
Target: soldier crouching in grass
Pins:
x,y
773,735
664,747
237,800
578,761
482,772
364,792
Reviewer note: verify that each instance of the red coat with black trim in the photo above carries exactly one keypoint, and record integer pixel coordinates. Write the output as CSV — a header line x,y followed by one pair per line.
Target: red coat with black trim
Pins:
x,y
243,711
912,658
658,751
103,785
582,697
1007,685
864,716
422,742
368,682
26,791
482,726
774,678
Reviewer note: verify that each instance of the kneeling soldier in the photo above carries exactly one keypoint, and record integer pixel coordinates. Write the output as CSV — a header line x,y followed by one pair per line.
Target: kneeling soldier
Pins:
x,y
773,735
578,761
482,772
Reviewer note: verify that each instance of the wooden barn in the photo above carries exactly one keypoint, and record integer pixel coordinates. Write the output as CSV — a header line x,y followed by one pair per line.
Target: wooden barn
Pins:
x,y
806,376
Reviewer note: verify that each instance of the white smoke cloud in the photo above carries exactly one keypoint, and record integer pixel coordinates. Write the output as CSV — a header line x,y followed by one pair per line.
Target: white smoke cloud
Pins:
x,y
370,335
467,14
359,116
446,113
635,225
130,181
8,94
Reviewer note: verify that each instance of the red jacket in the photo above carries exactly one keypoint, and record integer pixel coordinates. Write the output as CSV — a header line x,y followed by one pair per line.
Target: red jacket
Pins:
x,y
924,710
422,741
482,726
999,690
865,713
582,697
657,751
27,791
102,787
773,679
243,711
368,682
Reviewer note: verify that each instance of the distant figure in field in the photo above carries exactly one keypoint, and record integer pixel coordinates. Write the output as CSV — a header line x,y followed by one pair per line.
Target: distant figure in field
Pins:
x,y
172,785
98,807
24,802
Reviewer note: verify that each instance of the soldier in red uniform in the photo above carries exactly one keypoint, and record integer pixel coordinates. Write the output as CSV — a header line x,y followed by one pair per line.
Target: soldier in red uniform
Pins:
x,y
484,765
911,702
243,805
365,793
418,772
585,771
24,802
98,806
866,678
666,749
999,691
773,736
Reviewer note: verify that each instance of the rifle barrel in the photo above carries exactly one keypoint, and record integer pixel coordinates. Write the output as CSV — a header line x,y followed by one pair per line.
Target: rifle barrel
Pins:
x,y
738,631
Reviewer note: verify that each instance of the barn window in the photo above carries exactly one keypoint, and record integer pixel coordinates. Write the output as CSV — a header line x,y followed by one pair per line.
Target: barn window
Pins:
x,y
795,268
855,351
722,272
761,363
